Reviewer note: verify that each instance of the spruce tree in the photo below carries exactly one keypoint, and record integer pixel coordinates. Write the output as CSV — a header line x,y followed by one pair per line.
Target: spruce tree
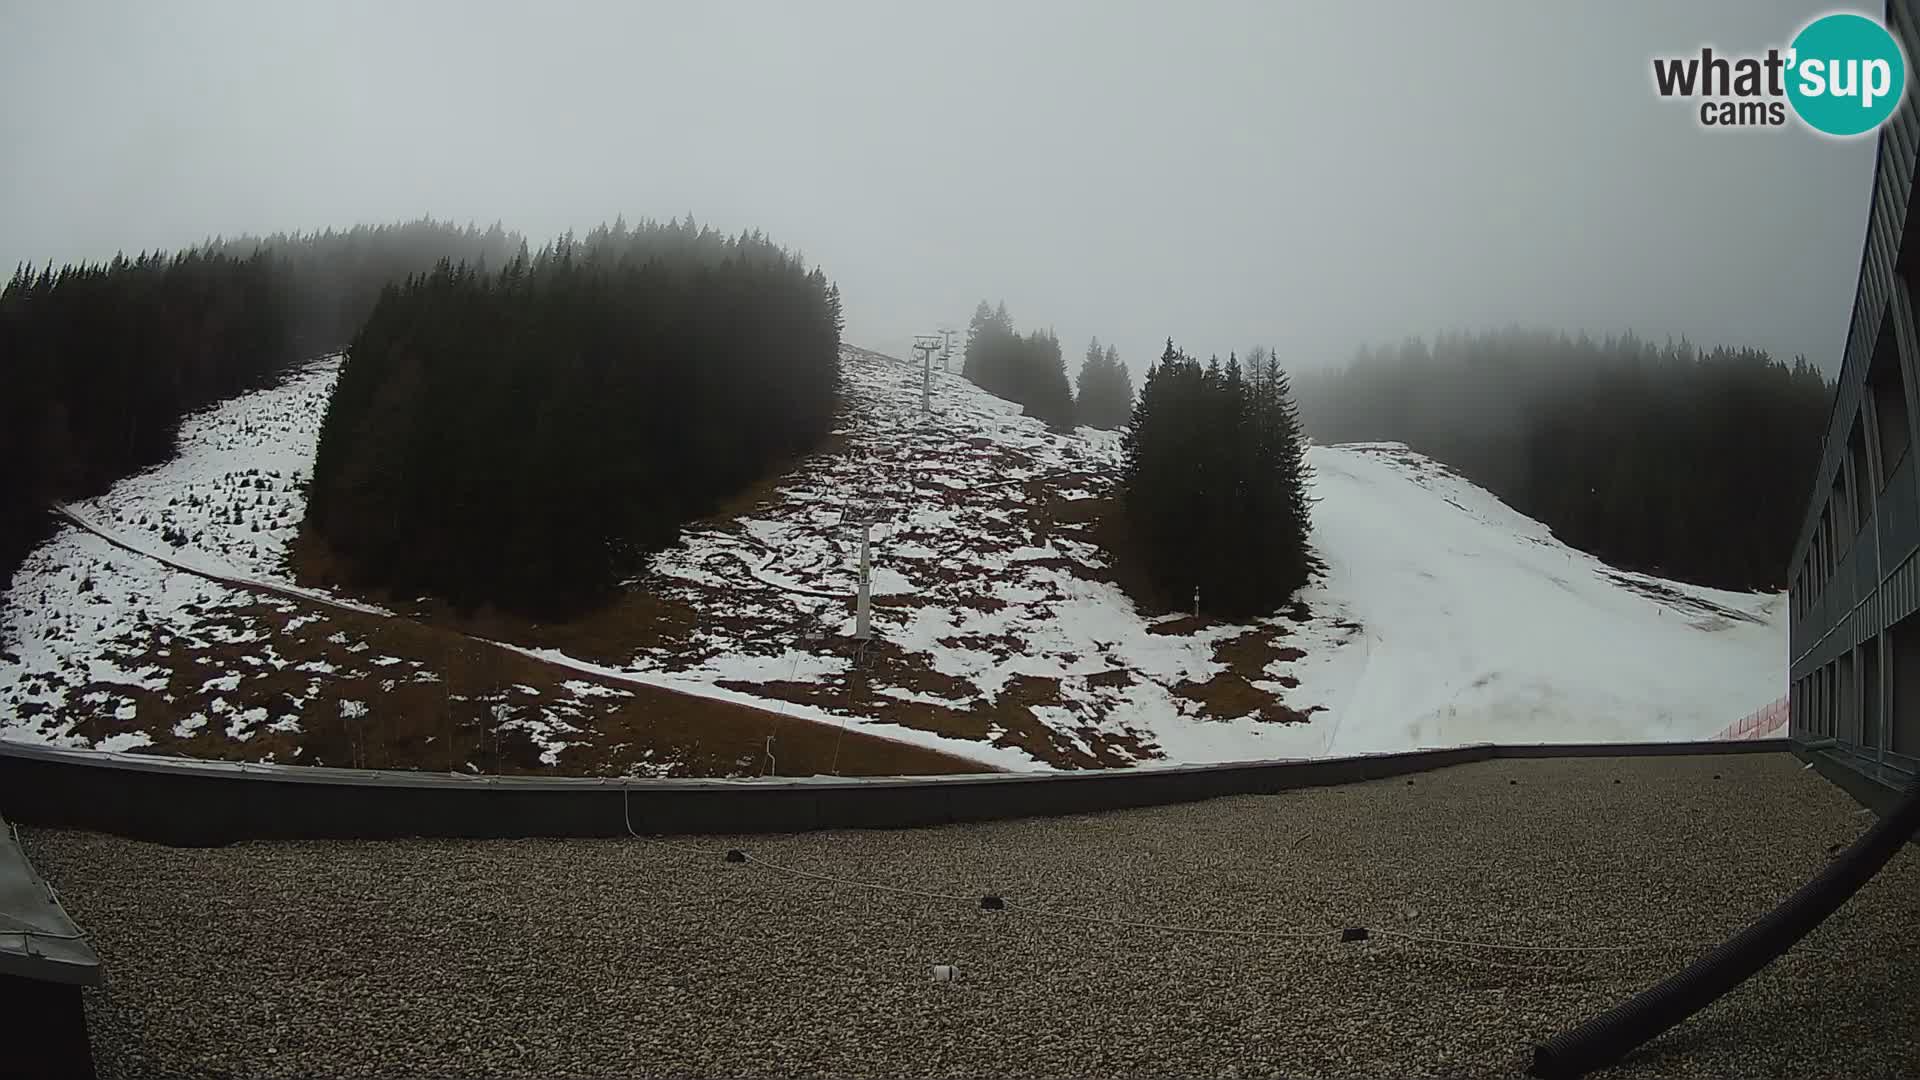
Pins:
x,y
1088,405
1213,485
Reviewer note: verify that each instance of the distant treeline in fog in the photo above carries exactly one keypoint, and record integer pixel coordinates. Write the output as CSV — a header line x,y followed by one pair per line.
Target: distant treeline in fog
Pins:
x,y
1030,369
100,361
1663,458
1026,368
1103,394
524,438
334,277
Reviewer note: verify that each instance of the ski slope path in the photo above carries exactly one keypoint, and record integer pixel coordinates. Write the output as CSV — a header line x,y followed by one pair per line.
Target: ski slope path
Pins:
x,y
1443,616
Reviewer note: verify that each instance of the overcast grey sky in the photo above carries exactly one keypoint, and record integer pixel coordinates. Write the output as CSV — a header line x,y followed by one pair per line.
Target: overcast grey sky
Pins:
x,y
1307,175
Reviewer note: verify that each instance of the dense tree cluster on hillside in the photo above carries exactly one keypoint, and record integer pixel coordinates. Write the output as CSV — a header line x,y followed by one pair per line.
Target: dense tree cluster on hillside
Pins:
x,y
334,276
99,361
1214,483
1104,391
1662,458
525,438
1028,369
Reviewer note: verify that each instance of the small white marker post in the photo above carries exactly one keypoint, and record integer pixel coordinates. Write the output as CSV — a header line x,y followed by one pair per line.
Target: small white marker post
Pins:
x,y
863,624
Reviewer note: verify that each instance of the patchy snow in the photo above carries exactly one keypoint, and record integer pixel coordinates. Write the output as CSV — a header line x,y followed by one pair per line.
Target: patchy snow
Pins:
x,y
124,741
962,747
1443,617
233,496
583,688
84,615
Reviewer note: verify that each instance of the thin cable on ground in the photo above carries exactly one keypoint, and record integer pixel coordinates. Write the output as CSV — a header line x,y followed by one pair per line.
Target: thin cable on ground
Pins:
x,y
627,816
875,886
1216,931
1507,946
1043,912
928,894
1137,924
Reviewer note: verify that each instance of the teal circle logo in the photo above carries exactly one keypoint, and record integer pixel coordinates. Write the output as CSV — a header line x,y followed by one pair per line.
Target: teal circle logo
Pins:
x,y
1845,74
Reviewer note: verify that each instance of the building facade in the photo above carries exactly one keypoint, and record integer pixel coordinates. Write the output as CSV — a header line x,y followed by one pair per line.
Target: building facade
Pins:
x,y
1854,628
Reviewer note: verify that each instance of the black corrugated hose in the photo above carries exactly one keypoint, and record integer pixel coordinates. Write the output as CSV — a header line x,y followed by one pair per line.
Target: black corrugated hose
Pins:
x,y
1614,1034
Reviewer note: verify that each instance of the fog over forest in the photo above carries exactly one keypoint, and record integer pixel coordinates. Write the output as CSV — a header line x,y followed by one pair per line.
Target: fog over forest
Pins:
x,y
1312,177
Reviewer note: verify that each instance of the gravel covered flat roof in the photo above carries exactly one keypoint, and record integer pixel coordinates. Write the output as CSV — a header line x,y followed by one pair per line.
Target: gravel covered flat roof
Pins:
x,y
623,957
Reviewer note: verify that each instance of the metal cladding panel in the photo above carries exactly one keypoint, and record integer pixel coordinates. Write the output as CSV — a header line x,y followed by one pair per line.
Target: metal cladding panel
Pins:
x,y
201,803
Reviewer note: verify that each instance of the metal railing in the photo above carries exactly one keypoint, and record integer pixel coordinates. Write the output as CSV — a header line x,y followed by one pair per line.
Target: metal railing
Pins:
x,y
1766,722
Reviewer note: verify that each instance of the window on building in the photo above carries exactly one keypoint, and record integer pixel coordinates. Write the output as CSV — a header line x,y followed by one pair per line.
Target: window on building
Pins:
x,y
1869,654
1889,394
1843,496
1823,539
1815,721
1846,700
1823,693
1903,716
1860,481
1831,518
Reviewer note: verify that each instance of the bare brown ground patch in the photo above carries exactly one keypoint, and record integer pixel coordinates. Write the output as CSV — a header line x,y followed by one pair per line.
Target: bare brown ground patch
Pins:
x,y
1228,696
641,620
1007,720
635,621
1249,654
780,475
469,719
999,647
1232,693
675,624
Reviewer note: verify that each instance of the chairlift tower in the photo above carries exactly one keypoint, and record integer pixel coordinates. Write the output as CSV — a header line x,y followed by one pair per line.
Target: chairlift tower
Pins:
x,y
946,350
925,344
873,503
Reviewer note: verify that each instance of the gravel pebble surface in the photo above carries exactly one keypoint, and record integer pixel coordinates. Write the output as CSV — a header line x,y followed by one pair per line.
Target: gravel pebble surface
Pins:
x,y
628,958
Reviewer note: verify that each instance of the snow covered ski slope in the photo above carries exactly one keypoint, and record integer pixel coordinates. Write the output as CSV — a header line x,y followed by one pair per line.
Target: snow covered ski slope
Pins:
x,y
1481,627
1443,616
